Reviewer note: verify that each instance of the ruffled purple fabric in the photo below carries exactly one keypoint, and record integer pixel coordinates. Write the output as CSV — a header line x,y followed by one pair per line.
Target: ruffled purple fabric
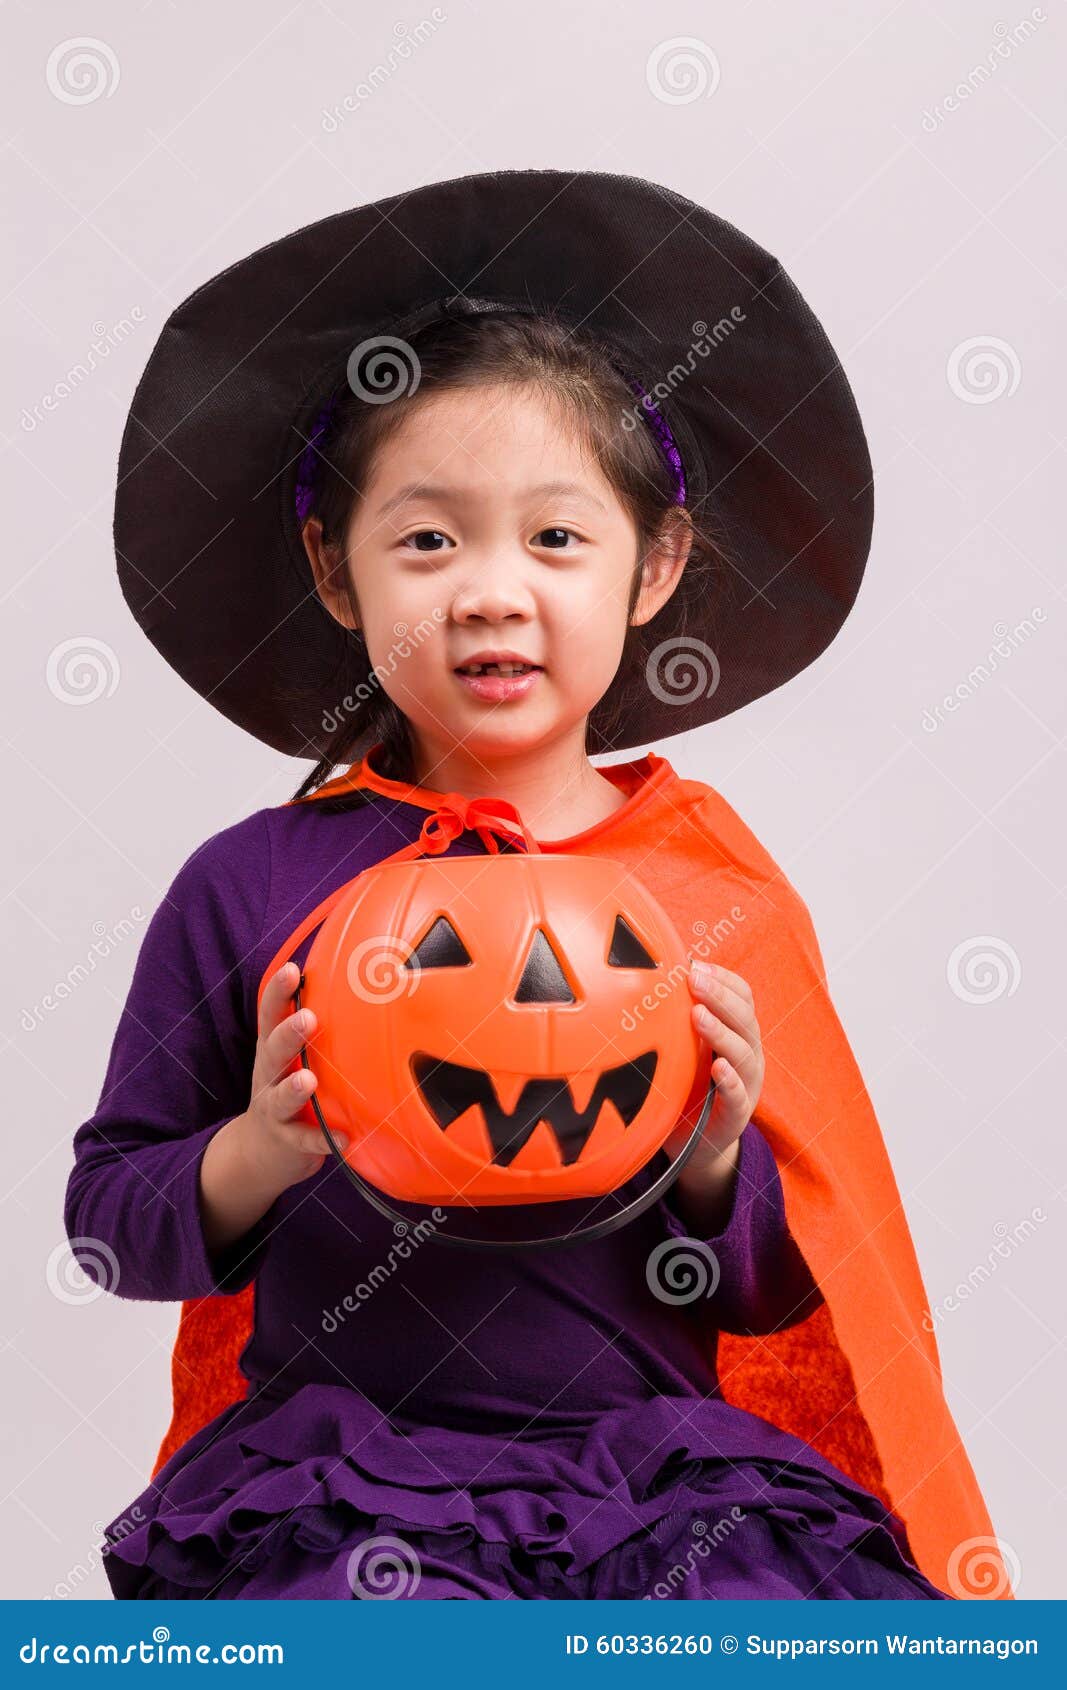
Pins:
x,y
318,1495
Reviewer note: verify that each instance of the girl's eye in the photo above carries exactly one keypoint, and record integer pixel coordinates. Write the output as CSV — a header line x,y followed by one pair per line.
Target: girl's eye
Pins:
x,y
552,539
425,534
552,545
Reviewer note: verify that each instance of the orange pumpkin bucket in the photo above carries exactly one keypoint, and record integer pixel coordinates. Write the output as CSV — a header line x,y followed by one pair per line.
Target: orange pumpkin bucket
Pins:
x,y
499,1031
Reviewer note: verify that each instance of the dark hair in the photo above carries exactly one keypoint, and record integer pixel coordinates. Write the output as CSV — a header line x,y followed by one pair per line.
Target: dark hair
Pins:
x,y
571,370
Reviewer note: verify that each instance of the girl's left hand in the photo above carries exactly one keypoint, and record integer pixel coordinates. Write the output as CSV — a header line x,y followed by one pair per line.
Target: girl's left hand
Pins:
x,y
724,1015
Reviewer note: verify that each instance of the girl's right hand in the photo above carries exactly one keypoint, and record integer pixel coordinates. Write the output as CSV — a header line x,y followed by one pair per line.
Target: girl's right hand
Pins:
x,y
283,1149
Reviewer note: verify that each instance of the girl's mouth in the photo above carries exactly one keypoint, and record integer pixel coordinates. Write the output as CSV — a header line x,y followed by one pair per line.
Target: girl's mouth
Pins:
x,y
486,680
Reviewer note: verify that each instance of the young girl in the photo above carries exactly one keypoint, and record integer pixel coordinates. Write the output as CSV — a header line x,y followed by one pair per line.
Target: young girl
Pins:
x,y
430,1422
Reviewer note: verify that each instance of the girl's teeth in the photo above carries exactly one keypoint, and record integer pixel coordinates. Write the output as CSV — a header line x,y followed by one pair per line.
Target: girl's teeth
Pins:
x,y
496,668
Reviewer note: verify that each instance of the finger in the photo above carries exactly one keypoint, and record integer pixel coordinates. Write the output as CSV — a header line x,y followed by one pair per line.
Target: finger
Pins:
x,y
309,1141
286,1099
277,999
729,1006
286,1042
725,1041
736,982
731,1099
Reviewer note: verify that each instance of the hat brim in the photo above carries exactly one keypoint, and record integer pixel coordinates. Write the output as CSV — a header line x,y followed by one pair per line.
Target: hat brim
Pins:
x,y
209,551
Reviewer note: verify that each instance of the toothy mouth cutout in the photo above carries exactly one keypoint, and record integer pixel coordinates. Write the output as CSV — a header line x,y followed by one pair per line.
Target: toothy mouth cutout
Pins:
x,y
450,1089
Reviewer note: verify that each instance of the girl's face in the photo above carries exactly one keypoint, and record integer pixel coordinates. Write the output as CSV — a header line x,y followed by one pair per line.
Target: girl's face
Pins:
x,y
485,527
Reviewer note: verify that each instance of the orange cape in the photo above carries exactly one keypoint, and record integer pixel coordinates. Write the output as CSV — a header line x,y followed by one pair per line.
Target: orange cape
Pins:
x,y
860,1378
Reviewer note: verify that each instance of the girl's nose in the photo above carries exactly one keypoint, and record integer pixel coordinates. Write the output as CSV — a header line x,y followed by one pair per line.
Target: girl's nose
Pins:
x,y
496,592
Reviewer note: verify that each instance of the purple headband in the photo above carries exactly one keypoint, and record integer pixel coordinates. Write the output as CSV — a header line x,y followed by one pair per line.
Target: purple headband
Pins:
x,y
667,443
305,474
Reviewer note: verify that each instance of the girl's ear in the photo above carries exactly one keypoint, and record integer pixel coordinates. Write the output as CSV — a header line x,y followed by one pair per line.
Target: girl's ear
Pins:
x,y
663,566
330,574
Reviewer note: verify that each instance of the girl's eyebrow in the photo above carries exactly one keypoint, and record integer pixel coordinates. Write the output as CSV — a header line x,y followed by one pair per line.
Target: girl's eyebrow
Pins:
x,y
441,491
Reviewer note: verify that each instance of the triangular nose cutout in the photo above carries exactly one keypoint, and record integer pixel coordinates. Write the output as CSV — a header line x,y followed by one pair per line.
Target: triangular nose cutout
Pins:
x,y
543,980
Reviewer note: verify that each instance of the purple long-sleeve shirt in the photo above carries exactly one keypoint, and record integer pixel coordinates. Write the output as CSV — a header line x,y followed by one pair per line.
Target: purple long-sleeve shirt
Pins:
x,y
448,1336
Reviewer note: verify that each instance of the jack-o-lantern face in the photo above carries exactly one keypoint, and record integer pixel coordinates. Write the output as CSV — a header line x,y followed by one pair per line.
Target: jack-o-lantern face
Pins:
x,y
451,1088
510,1029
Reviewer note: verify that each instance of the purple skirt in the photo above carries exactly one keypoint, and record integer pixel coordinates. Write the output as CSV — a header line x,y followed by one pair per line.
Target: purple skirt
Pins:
x,y
316,1494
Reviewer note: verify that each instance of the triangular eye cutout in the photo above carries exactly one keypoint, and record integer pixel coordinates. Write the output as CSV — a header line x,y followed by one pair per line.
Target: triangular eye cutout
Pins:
x,y
627,950
543,980
441,947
